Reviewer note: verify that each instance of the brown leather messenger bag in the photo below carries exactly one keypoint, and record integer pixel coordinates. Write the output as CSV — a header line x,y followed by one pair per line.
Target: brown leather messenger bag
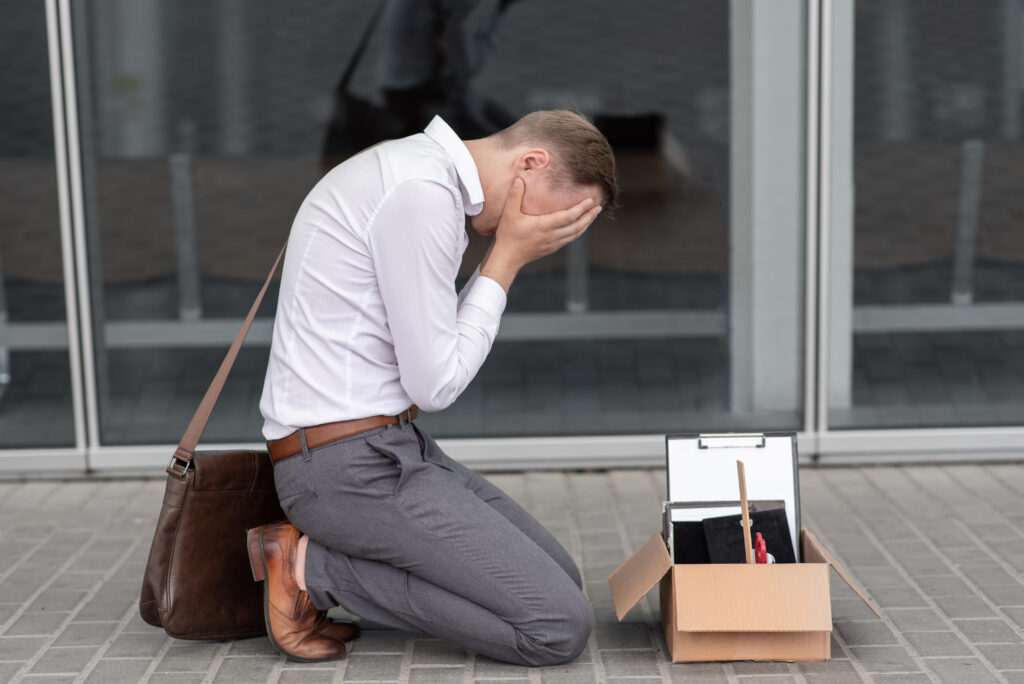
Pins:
x,y
197,583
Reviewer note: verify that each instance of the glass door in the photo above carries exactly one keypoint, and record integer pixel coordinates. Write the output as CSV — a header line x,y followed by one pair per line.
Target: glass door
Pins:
x,y
927,258
38,381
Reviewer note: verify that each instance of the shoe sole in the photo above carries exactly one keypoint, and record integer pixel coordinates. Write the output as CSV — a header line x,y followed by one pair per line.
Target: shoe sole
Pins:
x,y
258,565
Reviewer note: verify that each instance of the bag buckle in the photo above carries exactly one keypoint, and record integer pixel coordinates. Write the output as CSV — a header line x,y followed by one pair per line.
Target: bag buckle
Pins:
x,y
176,463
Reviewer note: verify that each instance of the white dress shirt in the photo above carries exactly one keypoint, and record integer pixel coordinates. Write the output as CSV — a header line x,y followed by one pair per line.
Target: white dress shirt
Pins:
x,y
368,320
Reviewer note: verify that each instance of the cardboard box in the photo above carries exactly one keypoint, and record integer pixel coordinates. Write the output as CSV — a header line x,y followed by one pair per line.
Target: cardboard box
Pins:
x,y
736,611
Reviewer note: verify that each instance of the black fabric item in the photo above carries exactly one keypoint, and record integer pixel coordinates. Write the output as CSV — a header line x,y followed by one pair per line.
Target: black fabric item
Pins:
x,y
688,542
724,536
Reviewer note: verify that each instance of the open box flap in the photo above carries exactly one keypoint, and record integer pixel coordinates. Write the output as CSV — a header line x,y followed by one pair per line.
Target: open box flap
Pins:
x,y
638,574
739,597
814,552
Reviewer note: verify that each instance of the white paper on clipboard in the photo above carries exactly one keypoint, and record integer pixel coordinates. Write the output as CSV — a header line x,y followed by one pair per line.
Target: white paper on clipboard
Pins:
x,y
702,468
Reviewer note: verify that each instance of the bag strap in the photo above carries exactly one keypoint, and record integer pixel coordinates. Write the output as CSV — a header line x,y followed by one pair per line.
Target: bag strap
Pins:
x,y
187,446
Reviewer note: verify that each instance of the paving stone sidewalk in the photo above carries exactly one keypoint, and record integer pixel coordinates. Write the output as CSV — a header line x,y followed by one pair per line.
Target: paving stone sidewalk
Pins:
x,y
940,549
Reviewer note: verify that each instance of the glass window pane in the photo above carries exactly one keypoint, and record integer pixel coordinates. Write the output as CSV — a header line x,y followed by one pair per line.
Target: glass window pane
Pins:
x,y
207,123
35,381
937,261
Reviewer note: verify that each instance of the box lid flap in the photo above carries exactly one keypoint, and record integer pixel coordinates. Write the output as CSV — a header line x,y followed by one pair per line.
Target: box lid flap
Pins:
x,y
789,597
638,574
814,552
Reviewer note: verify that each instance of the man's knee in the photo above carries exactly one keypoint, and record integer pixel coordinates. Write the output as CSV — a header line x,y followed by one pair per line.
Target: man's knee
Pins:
x,y
566,635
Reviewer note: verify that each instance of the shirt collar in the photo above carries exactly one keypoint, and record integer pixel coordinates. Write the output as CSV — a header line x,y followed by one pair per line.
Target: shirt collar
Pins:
x,y
469,177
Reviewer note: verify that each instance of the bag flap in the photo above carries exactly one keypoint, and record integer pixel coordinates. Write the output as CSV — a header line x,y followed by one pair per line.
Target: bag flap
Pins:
x,y
741,597
814,552
233,471
638,574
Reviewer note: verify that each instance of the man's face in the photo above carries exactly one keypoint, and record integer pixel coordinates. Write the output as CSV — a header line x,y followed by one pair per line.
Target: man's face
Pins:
x,y
540,196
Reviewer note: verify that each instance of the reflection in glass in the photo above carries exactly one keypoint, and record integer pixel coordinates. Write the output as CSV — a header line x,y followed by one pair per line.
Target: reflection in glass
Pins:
x,y
205,124
35,382
938,250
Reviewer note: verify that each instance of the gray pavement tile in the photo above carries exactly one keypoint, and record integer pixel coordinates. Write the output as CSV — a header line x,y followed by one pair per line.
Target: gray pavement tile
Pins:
x,y
622,635
989,575
8,670
1004,656
245,668
937,644
874,633
760,668
1005,594
629,663
847,609
436,675
697,673
173,678
940,585
103,608
64,659
437,652
897,597
7,610
924,566
963,607
306,676
1016,614
37,624
633,680
485,667
380,641
257,646
56,600
190,657
902,678
568,674
830,672
988,631
137,624
371,667
85,633
82,581
960,670
20,648
16,588
916,619
137,645
49,679
884,658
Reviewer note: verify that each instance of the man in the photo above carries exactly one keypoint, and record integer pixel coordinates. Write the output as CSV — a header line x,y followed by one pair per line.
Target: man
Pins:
x,y
369,326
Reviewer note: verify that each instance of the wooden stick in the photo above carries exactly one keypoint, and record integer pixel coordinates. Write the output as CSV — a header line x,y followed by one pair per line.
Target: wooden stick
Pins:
x,y
746,514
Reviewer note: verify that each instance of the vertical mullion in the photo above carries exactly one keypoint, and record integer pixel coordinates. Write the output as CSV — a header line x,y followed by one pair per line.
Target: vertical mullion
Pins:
x,y
812,321
824,211
57,105
74,165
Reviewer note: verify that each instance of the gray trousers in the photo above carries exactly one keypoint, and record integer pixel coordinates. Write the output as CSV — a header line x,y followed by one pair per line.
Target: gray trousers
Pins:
x,y
402,535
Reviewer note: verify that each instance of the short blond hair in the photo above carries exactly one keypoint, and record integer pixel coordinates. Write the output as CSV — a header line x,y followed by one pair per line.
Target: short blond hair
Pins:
x,y
581,153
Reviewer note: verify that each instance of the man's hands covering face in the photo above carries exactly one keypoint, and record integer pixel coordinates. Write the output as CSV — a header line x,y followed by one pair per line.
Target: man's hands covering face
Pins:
x,y
522,238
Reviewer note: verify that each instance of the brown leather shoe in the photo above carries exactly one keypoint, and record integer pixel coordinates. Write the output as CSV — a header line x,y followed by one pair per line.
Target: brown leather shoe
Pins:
x,y
340,630
294,625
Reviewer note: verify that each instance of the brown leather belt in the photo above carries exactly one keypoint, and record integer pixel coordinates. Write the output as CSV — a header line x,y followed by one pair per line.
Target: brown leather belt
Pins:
x,y
318,435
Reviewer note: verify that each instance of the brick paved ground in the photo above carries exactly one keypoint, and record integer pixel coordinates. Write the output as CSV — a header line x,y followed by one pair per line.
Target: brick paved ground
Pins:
x,y
941,550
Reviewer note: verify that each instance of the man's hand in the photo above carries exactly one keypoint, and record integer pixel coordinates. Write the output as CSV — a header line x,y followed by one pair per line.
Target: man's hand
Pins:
x,y
522,238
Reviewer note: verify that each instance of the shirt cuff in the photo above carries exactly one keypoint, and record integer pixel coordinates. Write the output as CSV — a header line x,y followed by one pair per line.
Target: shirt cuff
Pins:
x,y
484,294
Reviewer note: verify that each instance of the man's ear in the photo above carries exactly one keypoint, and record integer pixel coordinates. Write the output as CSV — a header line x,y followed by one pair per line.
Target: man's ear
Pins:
x,y
533,160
